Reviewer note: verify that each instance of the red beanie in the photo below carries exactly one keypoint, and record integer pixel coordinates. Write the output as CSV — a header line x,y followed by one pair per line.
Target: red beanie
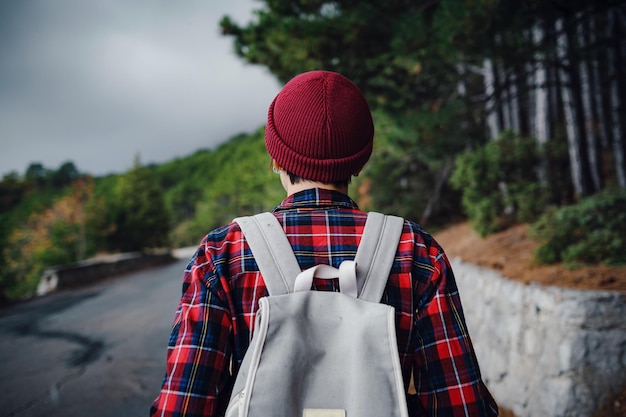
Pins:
x,y
319,127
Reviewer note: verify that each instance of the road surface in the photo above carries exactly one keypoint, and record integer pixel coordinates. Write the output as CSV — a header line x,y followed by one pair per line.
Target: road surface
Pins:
x,y
96,351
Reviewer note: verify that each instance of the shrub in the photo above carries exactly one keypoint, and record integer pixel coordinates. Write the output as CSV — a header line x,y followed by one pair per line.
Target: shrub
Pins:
x,y
499,183
592,231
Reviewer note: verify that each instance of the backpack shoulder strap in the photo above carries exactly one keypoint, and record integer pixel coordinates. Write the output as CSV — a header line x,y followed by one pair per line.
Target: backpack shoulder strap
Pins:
x,y
376,253
272,251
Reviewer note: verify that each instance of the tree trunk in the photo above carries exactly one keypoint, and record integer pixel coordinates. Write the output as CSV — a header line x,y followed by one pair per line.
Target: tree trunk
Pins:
x,y
587,106
569,111
540,109
523,87
433,200
531,97
555,106
490,104
615,65
597,87
503,102
513,99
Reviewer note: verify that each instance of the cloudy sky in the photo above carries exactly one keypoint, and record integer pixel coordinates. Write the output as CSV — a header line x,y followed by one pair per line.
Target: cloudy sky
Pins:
x,y
97,82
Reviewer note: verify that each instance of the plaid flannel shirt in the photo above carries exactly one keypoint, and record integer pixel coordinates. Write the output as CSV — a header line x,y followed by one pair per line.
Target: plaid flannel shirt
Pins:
x,y
214,320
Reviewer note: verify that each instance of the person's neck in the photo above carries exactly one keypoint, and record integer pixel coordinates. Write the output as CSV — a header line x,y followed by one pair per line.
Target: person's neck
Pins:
x,y
307,185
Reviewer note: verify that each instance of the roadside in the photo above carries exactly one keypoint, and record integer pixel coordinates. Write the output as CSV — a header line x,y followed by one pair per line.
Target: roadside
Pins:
x,y
95,269
510,252
184,253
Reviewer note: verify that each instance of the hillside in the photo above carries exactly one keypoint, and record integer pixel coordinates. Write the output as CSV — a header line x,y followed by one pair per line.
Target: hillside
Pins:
x,y
510,252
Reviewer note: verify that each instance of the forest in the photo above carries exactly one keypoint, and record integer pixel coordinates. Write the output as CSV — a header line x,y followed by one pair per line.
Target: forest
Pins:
x,y
494,111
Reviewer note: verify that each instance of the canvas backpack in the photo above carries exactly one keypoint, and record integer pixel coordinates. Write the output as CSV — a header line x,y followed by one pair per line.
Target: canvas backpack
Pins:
x,y
321,353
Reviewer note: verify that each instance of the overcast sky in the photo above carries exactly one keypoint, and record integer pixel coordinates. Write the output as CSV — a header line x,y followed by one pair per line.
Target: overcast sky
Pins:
x,y
98,81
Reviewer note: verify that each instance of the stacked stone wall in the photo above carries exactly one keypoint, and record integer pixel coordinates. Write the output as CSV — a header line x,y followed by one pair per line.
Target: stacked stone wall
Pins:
x,y
544,351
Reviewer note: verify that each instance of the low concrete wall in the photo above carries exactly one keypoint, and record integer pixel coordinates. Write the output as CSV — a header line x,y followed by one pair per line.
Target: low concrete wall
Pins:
x,y
92,270
544,351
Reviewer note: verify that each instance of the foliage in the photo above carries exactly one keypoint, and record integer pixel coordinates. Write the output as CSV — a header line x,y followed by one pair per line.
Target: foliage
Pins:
x,y
37,175
499,184
592,231
49,237
141,218
12,192
400,175
46,222
37,179
426,64
396,53
102,213
20,198
242,184
183,181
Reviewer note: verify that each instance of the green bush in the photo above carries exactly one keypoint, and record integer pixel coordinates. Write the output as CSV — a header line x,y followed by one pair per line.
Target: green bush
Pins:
x,y
499,184
592,231
243,184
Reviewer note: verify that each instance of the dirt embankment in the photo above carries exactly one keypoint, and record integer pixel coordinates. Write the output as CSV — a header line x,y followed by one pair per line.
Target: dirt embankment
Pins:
x,y
510,252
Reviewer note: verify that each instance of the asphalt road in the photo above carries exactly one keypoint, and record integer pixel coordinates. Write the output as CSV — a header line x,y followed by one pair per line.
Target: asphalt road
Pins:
x,y
96,351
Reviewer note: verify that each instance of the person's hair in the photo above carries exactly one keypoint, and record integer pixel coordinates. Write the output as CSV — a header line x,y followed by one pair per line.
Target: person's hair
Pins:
x,y
295,179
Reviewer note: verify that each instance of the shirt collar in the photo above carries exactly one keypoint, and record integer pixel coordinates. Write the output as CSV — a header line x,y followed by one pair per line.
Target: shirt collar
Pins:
x,y
316,198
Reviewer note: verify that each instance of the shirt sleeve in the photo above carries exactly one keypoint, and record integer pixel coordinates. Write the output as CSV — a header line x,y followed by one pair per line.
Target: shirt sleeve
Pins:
x,y
446,372
197,378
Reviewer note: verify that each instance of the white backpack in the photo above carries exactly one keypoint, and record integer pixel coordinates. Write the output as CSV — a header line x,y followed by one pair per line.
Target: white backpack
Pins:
x,y
321,353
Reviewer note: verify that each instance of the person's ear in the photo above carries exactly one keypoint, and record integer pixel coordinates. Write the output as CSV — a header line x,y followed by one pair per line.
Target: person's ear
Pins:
x,y
276,169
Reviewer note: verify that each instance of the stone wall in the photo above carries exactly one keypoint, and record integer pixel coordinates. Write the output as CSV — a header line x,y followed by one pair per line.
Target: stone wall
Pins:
x,y
544,351
92,270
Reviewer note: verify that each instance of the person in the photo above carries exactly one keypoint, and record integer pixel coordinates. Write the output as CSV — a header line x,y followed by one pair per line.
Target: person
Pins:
x,y
319,134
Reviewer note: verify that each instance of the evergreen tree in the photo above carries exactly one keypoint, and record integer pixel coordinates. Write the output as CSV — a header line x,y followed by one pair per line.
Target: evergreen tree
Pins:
x,y
141,217
453,74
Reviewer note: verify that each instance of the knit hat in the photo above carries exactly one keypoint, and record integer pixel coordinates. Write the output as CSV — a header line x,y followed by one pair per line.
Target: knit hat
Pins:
x,y
319,127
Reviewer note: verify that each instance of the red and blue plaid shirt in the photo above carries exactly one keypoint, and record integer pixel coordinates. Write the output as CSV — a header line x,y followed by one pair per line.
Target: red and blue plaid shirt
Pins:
x,y
222,286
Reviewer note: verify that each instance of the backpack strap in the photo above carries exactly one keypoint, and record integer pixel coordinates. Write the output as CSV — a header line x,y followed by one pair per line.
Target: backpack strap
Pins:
x,y
278,264
272,251
376,254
